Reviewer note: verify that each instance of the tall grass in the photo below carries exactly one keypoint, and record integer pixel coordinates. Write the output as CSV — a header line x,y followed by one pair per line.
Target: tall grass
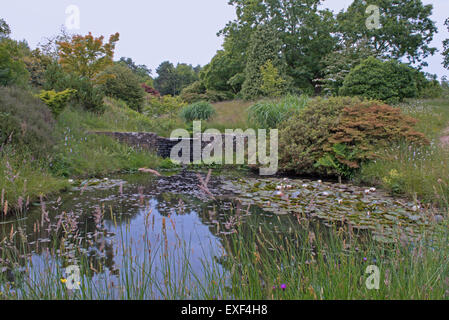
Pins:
x,y
270,113
418,172
302,261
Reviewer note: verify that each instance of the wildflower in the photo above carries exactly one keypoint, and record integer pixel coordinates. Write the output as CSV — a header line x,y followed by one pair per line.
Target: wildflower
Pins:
x,y
365,259
340,201
274,287
71,181
326,194
305,185
415,208
373,189
320,181
283,286
367,191
63,281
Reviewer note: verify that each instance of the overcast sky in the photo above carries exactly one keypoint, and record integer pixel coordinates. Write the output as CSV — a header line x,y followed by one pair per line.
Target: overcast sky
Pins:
x,y
153,31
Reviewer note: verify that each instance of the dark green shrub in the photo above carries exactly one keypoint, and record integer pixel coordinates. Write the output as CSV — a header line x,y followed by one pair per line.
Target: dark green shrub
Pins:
x,y
123,84
12,68
335,136
25,121
198,111
270,113
388,81
89,96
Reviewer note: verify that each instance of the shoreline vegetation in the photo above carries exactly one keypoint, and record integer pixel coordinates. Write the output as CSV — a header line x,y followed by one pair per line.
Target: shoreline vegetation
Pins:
x,y
352,105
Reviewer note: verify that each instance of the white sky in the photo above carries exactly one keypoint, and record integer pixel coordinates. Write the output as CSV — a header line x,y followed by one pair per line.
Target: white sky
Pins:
x,y
153,31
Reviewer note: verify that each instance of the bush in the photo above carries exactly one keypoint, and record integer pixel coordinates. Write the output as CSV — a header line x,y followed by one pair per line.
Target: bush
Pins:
x,y
121,83
198,111
388,81
335,136
12,69
150,90
25,121
269,114
57,101
89,96
166,105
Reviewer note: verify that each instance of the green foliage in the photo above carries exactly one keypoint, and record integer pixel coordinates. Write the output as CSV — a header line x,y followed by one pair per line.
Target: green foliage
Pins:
x,y
265,46
445,52
305,32
88,95
5,31
141,71
172,80
336,136
121,83
57,101
270,113
12,68
198,111
25,122
273,85
165,105
304,135
389,81
339,63
218,73
406,28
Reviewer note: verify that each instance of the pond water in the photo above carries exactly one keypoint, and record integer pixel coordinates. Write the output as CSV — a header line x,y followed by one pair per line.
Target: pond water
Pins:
x,y
164,226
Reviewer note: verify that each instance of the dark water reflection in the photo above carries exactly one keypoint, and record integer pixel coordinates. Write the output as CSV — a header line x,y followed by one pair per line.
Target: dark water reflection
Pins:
x,y
130,216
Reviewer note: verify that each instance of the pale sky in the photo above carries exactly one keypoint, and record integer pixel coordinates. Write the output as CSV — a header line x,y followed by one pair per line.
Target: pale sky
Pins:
x,y
152,31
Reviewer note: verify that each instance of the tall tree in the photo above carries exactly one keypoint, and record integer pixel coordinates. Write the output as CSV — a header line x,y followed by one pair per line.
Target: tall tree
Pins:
x,y
446,47
265,47
405,28
171,80
142,71
5,31
87,56
304,30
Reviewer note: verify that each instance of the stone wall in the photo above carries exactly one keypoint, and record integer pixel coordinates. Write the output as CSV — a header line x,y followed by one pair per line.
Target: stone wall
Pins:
x,y
162,146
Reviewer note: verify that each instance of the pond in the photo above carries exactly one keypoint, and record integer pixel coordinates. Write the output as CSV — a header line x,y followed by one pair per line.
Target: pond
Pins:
x,y
167,235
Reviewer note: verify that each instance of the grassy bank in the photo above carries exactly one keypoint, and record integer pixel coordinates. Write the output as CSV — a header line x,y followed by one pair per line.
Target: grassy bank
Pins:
x,y
76,154
418,172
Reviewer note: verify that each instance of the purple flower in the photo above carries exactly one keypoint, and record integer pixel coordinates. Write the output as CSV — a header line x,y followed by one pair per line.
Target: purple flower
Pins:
x,y
283,286
365,259
274,287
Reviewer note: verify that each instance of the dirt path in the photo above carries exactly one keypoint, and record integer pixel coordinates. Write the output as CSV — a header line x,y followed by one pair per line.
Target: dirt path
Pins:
x,y
444,139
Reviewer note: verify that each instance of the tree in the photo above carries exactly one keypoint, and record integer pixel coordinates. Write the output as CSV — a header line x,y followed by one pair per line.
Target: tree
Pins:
x,y
12,68
172,80
218,73
406,29
339,63
446,47
142,71
273,85
5,31
304,31
122,83
389,81
265,46
87,56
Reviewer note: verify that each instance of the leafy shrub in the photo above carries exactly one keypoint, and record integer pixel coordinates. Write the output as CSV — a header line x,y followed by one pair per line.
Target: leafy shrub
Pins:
x,y
165,105
150,90
12,69
25,121
198,111
57,101
89,96
388,81
269,114
121,83
432,89
273,85
335,136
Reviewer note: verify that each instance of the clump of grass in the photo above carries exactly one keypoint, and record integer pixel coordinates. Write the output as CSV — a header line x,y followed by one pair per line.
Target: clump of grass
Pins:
x,y
269,114
419,172
201,110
